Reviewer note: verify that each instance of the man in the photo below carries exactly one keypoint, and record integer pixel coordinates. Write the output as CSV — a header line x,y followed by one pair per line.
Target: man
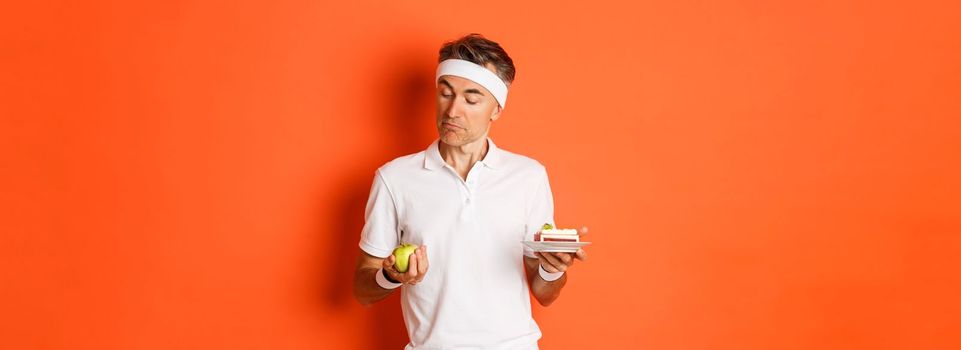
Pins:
x,y
468,205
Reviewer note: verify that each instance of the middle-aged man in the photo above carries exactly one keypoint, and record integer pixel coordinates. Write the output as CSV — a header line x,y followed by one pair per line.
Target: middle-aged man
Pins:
x,y
468,205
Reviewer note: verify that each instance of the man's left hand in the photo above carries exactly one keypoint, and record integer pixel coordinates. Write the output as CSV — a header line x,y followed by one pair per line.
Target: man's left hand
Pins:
x,y
559,262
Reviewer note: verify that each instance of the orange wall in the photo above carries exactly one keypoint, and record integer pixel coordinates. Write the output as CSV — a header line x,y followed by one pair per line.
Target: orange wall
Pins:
x,y
756,175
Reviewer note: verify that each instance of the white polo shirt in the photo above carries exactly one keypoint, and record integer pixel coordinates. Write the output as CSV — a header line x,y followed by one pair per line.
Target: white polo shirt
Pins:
x,y
475,293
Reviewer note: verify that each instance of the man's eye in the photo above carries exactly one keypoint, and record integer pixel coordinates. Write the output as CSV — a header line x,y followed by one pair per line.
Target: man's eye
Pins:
x,y
446,94
472,102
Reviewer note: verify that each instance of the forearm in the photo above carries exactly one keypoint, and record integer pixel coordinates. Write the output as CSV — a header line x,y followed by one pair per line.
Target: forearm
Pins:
x,y
546,292
366,289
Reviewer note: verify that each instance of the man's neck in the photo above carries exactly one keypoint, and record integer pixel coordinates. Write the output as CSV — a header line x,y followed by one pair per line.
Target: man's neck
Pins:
x,y
462,158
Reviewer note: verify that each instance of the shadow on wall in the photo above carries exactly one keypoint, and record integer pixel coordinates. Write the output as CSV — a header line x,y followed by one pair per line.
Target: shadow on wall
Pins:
x,y
408,117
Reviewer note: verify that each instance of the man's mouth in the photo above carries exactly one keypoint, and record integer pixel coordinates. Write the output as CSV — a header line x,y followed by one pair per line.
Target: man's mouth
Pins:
x,y
451,126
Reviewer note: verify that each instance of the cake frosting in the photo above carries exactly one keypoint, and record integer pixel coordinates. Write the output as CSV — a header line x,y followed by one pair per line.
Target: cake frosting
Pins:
x,y
549,233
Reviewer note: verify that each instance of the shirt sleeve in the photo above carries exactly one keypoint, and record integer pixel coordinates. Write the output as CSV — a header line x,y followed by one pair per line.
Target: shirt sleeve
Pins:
x,y
541,210
380,234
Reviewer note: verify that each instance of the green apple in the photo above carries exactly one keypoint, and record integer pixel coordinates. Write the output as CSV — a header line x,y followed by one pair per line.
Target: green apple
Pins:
x,y
402,256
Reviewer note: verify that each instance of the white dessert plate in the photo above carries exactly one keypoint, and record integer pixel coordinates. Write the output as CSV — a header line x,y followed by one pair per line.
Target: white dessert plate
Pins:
x,y
560,247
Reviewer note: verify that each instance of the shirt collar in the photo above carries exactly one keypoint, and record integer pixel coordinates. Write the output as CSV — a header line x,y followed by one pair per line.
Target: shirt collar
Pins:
x,y
433,160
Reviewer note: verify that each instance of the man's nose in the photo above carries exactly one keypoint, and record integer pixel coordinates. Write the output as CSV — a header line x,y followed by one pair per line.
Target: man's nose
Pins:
x,y
455,108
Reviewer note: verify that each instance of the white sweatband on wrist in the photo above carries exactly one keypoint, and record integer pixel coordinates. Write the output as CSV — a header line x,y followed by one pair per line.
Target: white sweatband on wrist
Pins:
x,y
383,282
474,72
549,276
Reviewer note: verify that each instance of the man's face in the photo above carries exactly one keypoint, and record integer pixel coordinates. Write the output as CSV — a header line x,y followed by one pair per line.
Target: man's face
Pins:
x,y
465,110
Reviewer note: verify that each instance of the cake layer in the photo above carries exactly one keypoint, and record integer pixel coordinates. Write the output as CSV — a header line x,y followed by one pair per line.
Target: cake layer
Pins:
x,y
562,239
568,232
558,238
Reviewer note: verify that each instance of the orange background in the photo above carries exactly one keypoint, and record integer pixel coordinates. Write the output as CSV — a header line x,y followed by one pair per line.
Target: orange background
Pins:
x,y
755,174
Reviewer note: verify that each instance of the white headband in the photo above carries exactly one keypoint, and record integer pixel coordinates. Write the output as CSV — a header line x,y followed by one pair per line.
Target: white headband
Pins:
x,y
474,72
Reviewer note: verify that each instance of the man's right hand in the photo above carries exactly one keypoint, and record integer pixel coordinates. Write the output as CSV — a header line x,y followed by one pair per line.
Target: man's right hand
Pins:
x,y
416,267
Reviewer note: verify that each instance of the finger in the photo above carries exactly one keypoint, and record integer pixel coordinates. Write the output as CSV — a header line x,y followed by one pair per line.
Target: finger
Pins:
x,y
422,263
548,258
541,259
421,267
391,270
568,259
561,258
564,257
581,255
412,266
582,231
554,262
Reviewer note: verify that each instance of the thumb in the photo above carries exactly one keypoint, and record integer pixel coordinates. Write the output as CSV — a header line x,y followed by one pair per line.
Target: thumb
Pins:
x,y
582,231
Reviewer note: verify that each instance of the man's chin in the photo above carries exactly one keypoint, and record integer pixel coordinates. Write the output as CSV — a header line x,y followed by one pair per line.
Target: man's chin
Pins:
x,y
451,139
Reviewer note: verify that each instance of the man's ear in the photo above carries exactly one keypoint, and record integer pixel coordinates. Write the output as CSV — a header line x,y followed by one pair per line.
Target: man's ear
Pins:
x,y
497,113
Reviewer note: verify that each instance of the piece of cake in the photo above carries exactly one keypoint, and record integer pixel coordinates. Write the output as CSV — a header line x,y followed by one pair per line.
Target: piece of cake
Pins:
x,y
550,234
